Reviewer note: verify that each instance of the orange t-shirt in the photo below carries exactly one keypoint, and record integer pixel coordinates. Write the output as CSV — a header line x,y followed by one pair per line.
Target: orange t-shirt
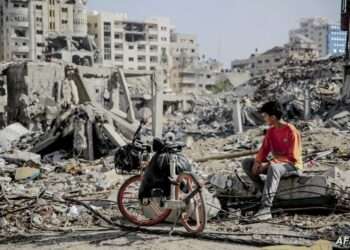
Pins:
x,y
284,144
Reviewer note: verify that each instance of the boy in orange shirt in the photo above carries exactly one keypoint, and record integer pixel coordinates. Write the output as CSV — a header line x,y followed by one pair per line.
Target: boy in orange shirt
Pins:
x,y
283,141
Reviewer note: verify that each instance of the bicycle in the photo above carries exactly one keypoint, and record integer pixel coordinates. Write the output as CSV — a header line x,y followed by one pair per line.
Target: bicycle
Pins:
x,y
180,192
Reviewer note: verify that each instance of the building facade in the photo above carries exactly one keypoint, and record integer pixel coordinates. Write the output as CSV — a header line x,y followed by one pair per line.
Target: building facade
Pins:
x,y
17,31
131,45
336,40
25,25
199,77
184,49
299,49
328,38
184,52
261,63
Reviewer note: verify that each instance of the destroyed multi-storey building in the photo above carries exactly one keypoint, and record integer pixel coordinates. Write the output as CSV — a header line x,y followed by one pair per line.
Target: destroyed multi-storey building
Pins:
x,y
328,38
64,122
80,50
50,98
146,45
198,77
131,45
25,25
300,48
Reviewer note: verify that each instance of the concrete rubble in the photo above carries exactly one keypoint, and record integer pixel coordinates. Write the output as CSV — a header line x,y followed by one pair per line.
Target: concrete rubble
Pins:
x,y
311,90
63,127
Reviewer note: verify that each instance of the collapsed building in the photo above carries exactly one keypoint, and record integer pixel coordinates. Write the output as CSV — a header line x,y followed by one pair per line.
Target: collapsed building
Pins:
x,y
72,49
65,121
66,104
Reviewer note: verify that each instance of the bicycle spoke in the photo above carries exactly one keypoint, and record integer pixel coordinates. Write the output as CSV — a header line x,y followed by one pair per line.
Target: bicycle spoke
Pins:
x,y
132,208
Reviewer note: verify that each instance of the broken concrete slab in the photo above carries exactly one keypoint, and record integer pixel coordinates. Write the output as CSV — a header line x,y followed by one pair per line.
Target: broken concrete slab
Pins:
x,y
27,173
10,134
107,180
113,135
19,157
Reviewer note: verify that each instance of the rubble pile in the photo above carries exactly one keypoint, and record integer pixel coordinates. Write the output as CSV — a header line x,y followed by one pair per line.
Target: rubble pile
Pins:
x,y
82,131
48,164
210,116
41,172
35,197
319,81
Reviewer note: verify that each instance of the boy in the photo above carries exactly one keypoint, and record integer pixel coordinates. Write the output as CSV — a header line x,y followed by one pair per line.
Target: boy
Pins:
x,y
283,141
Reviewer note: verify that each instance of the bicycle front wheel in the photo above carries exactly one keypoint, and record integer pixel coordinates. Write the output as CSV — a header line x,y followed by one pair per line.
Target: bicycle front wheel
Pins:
x,y
142,213
194,216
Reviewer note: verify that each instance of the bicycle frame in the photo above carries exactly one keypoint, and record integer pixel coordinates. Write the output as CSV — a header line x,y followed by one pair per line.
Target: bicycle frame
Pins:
x,y
173,203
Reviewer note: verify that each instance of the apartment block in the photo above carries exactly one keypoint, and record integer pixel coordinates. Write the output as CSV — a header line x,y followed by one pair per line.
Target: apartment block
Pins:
x,y
299,49
17,30
131,45
328,38
184,49
25,25
336,40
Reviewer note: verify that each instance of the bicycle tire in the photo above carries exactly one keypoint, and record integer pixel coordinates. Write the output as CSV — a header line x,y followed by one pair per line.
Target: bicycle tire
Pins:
x,y
199,204
139,219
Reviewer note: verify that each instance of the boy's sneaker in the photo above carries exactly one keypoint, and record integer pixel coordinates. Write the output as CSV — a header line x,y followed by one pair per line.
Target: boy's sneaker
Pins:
x,y
263,214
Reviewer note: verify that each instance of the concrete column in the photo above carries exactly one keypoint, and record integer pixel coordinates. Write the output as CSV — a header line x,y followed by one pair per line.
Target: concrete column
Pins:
x,y
89,152
307,104
345,92
157,104
237,117
32,31
185,105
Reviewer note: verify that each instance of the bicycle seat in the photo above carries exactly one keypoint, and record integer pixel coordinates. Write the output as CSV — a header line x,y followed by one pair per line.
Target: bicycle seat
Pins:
x,y
160,145
174,147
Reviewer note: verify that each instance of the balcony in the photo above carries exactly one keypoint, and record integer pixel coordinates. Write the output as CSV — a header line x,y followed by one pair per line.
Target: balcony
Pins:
x,y
19,38
17,12
141,48
19,20
23,24
20,34
21,49
153,38
154,59
141,59
153,50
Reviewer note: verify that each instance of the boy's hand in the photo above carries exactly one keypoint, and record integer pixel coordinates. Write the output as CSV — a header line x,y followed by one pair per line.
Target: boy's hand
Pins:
x,y
264,167
260,168
256,168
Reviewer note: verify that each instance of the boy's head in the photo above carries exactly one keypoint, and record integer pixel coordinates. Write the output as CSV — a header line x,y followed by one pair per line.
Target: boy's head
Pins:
x,y
271,112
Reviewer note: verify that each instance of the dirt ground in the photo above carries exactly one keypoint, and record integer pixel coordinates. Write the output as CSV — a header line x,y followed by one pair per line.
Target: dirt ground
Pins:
x,y
136,242
314,140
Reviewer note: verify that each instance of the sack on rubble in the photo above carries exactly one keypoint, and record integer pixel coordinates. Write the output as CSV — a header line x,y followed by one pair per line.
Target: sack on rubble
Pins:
x,y
157,173
127,158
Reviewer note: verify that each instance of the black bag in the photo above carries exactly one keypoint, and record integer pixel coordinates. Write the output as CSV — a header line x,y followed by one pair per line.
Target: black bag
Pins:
x,y
128,158
157,174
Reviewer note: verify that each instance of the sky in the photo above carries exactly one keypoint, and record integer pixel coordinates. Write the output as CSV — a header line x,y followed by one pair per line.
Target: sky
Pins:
x,y
228,29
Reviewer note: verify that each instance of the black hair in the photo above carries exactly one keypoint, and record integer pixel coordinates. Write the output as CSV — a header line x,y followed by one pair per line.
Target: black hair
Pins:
x,y
272,108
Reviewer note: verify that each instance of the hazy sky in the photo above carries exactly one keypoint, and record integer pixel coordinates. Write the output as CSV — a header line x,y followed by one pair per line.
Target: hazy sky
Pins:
x,y
228,29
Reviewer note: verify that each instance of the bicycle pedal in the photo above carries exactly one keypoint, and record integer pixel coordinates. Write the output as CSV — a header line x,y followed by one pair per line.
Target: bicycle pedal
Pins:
x,y
157,192
184,188
174,204
173,181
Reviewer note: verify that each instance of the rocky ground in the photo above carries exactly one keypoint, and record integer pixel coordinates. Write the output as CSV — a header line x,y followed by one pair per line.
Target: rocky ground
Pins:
x,y
26,210
57,202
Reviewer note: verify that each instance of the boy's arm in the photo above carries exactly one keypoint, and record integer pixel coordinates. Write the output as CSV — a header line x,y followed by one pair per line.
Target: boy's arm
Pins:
x,y
295,146
264,150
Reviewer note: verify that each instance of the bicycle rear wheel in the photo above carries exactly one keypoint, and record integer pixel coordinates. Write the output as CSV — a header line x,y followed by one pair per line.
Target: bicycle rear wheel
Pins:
x,y
142,213
194,216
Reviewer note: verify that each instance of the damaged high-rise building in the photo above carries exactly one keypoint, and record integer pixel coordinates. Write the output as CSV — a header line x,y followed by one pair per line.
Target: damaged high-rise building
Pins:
x,y
131,45
329,38
25,25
